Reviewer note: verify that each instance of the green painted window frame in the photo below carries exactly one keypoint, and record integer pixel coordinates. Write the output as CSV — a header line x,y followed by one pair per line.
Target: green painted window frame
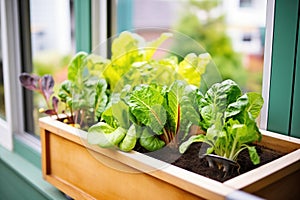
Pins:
x,y
124,15
295,124
284,112
83,29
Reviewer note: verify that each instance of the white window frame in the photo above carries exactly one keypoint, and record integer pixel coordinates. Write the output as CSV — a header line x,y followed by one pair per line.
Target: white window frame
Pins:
x,y
267,63
11,52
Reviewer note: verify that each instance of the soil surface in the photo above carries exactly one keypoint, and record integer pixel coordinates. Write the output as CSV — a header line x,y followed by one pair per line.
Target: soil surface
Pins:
x,y
191,161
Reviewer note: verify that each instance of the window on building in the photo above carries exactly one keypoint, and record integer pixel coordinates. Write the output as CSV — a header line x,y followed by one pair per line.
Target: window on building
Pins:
x,y
245,3
247,38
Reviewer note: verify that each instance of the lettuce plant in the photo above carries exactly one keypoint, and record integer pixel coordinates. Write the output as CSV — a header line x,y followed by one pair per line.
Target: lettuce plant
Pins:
x,y
229,118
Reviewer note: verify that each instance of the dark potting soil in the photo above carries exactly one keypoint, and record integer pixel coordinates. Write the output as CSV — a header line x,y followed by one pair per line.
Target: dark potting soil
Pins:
x,y
191,161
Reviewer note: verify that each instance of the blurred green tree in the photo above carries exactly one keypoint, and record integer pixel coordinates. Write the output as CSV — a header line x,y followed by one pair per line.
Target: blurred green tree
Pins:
x,y
209,31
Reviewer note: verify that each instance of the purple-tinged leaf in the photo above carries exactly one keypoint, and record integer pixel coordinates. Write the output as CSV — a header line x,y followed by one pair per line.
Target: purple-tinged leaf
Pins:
x,y
47,84
55,103
29,81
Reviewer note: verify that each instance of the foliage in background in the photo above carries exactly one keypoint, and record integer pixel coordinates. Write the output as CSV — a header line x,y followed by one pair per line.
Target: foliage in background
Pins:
x,y
210,33
50,63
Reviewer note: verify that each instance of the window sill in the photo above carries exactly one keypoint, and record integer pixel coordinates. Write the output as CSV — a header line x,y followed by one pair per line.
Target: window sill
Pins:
x,y
30,173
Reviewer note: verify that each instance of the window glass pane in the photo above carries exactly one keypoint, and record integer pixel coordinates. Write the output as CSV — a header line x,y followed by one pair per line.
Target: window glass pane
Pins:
x,y
233,35
52,43
2,102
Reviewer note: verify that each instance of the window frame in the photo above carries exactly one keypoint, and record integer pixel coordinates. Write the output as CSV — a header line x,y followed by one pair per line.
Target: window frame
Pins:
x,y
285,58
267,63
11,69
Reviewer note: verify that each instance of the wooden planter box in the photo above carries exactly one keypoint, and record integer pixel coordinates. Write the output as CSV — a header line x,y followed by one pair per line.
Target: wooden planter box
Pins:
x,y
73,166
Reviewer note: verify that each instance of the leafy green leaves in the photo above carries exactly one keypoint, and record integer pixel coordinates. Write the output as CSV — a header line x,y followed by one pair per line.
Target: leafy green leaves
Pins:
x,y
145,104
151,114
229,118
216,100
127,49
150,142
104,135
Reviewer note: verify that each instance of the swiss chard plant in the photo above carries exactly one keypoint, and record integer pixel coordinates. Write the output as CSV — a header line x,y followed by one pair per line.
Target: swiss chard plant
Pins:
x,y
229,119
152,115
152,101
84,93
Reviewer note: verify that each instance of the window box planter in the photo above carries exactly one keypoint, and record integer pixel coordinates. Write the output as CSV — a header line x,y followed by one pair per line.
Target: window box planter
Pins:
x,y
73,166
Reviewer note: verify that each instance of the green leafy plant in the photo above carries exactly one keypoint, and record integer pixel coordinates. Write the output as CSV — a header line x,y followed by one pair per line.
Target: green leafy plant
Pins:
x,y
84,93
153,96
152,115
229,118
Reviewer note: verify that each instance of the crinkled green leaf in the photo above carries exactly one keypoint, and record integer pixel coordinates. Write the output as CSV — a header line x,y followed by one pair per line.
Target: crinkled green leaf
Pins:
x,y
150,141
125,48
188,112
107,117
129,50
104,135
255,104
216,100
174,96
76,67
145,104
129,141
120,112
237,106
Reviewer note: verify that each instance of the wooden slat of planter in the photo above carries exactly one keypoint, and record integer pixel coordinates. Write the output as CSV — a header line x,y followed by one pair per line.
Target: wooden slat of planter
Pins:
x,y
279,142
